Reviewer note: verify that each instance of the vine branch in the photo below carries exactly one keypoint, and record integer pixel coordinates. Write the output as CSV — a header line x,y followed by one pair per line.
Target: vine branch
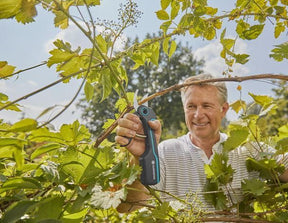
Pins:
x,y
178,87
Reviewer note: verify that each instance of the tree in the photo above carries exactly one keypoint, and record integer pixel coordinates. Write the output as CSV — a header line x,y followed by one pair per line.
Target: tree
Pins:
x,y
64,176
147,79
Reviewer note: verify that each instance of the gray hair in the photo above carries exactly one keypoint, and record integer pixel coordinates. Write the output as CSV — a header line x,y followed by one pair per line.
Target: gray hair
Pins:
x,y
221,86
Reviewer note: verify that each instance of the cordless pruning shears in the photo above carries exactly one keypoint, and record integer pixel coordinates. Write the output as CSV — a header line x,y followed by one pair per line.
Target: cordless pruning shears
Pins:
x,y
149,160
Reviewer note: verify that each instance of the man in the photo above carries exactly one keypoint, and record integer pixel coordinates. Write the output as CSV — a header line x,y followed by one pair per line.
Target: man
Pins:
x,y
182,160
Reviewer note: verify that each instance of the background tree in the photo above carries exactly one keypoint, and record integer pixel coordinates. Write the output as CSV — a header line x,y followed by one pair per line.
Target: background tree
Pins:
x,y
148,79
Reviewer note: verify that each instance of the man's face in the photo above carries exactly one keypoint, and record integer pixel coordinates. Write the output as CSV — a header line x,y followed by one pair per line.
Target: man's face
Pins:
x,y
204,111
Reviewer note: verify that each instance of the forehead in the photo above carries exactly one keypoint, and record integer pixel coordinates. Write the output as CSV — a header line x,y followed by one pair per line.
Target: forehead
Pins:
x,y
203,93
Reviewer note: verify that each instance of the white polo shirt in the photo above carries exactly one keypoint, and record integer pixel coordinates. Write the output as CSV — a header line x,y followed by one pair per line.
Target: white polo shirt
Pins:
x,y
182,167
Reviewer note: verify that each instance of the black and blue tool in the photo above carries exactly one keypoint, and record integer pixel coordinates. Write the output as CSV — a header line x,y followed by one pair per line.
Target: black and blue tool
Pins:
x,y
149,160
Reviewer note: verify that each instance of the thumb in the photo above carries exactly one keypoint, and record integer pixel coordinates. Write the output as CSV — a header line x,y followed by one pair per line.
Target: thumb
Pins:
x,y
156,126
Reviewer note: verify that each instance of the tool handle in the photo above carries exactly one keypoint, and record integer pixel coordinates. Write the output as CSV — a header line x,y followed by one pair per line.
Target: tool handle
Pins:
x,y
149,161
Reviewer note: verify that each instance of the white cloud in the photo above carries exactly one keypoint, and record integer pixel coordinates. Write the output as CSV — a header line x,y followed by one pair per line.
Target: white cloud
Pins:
x,y
3,86
215,64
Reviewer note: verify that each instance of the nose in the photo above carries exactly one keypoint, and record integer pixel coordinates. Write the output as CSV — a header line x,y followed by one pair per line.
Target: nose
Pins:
x,y
199,112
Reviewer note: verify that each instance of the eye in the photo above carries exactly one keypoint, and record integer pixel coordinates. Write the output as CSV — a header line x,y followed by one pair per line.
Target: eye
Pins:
x,y
207,106
191,106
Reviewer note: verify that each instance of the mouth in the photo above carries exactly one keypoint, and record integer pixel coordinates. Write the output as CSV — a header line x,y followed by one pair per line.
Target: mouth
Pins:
x,y
201,124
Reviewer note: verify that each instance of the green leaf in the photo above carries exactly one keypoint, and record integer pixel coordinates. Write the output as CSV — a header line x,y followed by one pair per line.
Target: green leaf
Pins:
x,y
215,195
253,32
235,139
228,43
238,105
74,133
165,4
18,209
20,183
280,52
121,104
279,28
265,167
5,141
106,83
45,149
219,170
262,100
24,125
61,19
43,134
210,33
241,27
254,186
88,90
162,211
165,45
172,49
175,7
77,217
59,56
200,2
102,44
241,58
199,11
284,2
165,26
283,131
155,53
5,69
282,146
9,8
107,199
19,158
27,12
162,15
49,208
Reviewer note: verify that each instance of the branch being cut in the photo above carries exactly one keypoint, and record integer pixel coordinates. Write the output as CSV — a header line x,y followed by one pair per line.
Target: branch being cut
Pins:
x,y
178,87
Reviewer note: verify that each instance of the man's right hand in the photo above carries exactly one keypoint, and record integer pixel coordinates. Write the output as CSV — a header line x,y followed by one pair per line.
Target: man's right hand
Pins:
x,y
127,128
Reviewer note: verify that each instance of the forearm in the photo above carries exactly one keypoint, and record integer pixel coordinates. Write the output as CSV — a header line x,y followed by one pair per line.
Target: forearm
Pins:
x,y
284,176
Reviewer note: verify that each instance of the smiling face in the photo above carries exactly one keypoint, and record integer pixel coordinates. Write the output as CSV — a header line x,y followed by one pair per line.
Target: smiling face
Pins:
x,y
204,111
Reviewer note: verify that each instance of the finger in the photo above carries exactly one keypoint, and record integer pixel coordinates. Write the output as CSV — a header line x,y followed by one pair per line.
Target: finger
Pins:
x,y
129,123
126,132
123,141
155,125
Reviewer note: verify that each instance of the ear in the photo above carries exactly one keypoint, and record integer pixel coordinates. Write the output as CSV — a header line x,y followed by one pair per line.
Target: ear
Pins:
x,y
225,107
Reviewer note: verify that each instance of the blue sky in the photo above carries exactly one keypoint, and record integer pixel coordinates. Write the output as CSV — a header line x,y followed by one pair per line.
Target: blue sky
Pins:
x,y
27,45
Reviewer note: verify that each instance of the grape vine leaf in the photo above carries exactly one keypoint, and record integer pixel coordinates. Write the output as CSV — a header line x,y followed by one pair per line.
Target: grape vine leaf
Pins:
x,y
254,186
280,52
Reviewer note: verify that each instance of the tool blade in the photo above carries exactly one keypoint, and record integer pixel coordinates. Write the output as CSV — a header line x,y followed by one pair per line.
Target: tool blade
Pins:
x,y
135,101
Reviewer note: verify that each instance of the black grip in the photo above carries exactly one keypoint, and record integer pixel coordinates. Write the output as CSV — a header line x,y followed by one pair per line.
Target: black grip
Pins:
x,y
149,161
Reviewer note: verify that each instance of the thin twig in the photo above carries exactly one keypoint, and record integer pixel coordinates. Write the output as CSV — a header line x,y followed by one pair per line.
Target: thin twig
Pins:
x,y
23,70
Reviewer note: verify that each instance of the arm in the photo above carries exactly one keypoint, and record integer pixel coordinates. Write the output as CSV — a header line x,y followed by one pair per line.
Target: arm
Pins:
x,y
127,128
284,176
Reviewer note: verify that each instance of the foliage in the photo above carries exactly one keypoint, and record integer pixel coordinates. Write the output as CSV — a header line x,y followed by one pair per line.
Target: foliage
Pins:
x,y
48,175
147,79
